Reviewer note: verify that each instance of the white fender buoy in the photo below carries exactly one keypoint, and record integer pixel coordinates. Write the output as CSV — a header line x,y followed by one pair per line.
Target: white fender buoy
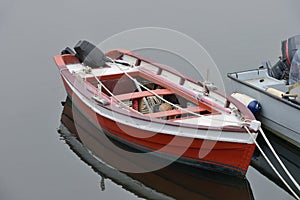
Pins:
x,y
251,103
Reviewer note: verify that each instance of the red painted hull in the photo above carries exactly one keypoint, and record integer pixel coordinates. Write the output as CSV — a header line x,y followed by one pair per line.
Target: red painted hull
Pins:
x,y
227,157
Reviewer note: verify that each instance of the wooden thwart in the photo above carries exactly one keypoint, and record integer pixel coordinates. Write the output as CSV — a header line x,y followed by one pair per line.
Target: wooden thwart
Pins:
x,y
175,112
137,95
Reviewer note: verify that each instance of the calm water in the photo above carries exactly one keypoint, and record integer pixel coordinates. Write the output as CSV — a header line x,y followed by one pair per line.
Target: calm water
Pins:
x,y
36,164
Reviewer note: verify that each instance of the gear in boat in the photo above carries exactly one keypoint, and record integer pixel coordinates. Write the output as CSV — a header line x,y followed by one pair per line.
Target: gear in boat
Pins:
x,y
139,99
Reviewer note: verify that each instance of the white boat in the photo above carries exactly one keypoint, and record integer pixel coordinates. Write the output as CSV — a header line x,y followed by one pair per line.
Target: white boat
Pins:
x,y
278,95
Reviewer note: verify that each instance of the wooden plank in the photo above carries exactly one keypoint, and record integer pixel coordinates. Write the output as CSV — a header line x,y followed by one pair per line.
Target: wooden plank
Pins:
x,y
135,95
175,112
188,95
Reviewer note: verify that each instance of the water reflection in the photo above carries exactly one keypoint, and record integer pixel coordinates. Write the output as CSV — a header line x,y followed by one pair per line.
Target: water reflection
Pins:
x,y
173,182
288,153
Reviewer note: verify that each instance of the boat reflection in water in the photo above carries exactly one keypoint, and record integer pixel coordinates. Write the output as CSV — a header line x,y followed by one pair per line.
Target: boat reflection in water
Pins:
x,y
175,181
288,153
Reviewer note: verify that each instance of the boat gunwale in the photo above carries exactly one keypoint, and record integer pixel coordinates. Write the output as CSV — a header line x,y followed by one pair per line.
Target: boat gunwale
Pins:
x,y
166,122
228,128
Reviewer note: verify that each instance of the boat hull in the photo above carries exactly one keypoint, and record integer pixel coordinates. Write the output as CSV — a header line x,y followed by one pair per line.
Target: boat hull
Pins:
x,y
277,115
227,157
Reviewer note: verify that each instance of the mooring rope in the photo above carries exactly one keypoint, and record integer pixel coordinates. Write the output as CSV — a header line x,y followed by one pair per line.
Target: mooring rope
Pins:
x,y
110,93
271,165
279,160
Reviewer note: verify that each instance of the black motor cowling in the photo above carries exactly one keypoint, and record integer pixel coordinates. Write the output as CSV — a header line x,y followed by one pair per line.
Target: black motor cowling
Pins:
x,y
90,55
280,70
67,50
288,49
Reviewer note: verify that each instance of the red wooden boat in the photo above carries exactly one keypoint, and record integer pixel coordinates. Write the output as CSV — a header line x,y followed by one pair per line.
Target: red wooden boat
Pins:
x,y
147,106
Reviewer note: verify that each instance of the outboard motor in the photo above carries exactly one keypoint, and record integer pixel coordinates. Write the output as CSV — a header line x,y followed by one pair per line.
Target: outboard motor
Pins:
x,y
295,69
289,47
90,55
67,50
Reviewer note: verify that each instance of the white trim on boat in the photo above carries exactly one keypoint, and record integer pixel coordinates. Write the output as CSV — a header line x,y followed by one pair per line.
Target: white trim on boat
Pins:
x,y
79,69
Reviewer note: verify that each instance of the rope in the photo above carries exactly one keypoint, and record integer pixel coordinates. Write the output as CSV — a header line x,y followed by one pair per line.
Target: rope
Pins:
x,y
111,94
174,105
141,85
279,160
271,165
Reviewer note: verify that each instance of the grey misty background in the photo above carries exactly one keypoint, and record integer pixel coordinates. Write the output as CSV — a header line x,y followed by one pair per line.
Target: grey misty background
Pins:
x,y
34,163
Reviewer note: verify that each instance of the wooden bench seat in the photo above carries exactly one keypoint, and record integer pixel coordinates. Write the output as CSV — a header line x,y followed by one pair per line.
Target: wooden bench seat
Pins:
x,y
175,112
137,95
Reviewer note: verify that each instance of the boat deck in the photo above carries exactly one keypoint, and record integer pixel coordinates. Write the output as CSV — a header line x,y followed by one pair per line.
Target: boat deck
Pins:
x,y
259,78
120,82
